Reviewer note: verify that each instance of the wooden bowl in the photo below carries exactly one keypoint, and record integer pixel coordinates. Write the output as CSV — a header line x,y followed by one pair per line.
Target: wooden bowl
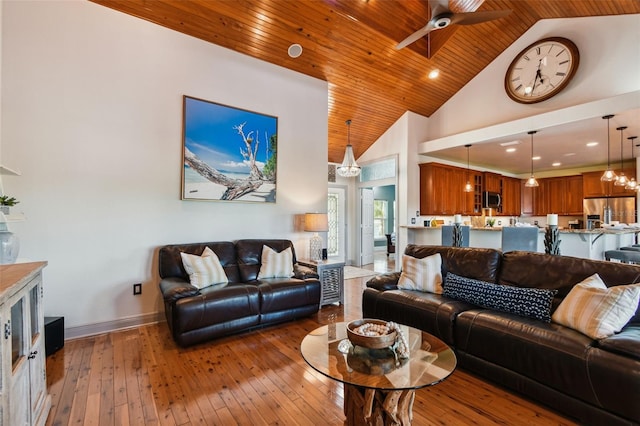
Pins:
x,y
371,342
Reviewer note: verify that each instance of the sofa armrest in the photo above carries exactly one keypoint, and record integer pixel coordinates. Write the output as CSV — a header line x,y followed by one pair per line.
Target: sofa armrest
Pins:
x,y
174,288
385,281
627,342
304,272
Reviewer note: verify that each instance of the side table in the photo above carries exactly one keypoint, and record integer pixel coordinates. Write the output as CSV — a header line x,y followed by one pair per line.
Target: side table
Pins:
x,y
331,273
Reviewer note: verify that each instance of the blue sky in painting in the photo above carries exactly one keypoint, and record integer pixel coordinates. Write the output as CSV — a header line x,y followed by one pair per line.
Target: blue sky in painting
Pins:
x,y
210,134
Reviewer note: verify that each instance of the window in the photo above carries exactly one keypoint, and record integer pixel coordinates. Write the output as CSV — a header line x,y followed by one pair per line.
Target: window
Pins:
x,y
380,211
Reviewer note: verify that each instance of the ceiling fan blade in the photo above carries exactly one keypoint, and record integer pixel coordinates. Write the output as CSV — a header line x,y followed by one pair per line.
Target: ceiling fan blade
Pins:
x,y
471,18
438,6
416,36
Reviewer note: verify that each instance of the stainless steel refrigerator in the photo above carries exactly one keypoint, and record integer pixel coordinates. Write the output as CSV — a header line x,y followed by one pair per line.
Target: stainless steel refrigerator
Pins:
x,y
605,210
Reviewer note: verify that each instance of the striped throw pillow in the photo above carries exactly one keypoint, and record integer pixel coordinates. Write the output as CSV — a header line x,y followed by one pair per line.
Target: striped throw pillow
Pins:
x,y
421,274
204,270
276,265
595,310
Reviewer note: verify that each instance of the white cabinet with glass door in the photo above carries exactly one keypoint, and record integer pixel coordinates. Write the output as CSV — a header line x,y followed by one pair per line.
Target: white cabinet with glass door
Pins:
x,y
25,400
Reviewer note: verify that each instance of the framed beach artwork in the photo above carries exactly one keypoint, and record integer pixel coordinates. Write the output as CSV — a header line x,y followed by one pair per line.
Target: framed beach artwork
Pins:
x,y
229,154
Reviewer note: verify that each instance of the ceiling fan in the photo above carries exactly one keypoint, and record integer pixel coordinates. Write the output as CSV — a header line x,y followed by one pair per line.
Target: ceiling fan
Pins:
x,y
442,17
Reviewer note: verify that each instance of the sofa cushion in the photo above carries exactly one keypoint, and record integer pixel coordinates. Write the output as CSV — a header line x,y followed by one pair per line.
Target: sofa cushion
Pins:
x,y
526,302
274,264
249,254
281,294
204,270
170,261
548,353
595,310
479,263
523,269
430,312
421,274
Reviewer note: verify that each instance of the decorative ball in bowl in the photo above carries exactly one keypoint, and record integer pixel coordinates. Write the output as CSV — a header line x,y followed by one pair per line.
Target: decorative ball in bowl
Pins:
x,y
370,333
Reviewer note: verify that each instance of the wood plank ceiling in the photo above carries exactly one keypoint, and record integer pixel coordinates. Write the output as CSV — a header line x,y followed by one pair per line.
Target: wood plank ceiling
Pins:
x,y
350,44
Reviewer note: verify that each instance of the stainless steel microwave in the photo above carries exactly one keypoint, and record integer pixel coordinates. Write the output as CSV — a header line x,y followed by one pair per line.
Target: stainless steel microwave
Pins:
x,y
491,200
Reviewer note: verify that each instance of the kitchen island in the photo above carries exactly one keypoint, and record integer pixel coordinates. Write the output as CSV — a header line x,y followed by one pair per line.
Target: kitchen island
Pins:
x,y
585,243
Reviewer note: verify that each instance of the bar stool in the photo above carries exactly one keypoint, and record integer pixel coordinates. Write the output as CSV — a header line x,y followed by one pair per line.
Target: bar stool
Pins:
x,y
520,238
624,256
631,248
447,235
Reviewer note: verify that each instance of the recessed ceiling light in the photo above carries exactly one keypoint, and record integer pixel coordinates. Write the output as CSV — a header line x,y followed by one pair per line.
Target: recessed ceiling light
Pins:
x,y
510,150
295,50
537,157
569,154
592,143
434,73
516,142
556,164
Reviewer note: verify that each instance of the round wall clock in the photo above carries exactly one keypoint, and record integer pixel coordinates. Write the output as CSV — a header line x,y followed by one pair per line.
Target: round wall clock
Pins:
x,y
542,70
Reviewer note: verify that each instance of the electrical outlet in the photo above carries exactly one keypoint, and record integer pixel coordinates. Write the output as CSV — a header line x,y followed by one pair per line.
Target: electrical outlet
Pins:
x,y
137,289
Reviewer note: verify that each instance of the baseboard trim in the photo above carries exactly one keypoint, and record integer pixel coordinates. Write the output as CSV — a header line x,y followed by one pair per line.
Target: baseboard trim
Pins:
x,y
109,326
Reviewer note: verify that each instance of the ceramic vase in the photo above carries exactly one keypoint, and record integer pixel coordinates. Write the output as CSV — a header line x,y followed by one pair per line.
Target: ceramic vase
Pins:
x,y
9,247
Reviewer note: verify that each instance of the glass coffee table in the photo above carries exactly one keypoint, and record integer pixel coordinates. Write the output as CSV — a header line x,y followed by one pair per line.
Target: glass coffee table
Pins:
x,y
379,387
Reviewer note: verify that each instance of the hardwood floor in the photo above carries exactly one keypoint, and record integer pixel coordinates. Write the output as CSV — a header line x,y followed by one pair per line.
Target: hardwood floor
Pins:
x,y
140,377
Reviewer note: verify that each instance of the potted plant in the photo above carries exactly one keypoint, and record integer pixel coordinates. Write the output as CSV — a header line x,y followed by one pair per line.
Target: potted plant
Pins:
x,y
6,203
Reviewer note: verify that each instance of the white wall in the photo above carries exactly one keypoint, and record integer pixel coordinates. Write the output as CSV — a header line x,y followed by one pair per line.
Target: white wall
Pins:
x,y
92,113
402,139
609,66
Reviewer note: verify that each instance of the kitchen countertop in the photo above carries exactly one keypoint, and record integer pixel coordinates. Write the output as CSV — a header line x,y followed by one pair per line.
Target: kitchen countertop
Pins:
x,y
626,230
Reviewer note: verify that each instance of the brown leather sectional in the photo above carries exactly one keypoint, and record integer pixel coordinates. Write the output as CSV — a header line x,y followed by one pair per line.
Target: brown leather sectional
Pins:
x,y
195,315
596,382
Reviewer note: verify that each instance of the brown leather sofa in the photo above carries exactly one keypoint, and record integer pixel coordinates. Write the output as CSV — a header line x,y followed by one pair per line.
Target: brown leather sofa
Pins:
x,y
596,382
196,315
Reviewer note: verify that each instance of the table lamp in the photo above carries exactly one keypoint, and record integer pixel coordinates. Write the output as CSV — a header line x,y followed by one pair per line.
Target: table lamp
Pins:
x,y
315,222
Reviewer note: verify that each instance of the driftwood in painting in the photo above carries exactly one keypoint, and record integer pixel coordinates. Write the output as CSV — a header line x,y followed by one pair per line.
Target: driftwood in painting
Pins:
x,y
236,188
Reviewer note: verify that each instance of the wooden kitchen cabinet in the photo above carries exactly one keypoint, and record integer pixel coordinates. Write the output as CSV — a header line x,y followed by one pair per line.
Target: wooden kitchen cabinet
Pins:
x,y
511,195
559,195
593,187
492,182
574,196
435,183
442,190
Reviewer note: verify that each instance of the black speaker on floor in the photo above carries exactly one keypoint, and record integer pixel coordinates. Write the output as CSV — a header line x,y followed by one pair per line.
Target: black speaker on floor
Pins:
x,y
53,334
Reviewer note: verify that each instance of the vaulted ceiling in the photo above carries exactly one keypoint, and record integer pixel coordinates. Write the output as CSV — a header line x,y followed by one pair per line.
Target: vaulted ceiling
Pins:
x,y
351,45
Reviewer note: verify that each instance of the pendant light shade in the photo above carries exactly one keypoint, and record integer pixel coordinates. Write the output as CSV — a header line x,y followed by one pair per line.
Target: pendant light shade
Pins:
x,y
531,182
349,167
608,175
468,187
632,185
622,179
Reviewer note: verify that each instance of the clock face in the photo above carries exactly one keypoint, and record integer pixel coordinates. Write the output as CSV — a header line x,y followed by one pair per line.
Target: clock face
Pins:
x,y
541,70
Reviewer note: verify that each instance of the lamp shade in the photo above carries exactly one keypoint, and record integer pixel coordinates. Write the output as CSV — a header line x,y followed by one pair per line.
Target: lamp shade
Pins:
x,y
316,222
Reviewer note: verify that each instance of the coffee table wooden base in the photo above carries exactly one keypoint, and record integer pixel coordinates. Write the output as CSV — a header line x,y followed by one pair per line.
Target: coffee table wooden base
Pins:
x,y
375,407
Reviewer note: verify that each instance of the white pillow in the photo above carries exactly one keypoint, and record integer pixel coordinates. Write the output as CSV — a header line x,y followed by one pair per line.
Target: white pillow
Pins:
x,y
276,265
595,310
421,274
204,270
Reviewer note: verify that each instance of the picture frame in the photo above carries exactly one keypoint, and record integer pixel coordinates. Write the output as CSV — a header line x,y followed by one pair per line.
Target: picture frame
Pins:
x,y
228,153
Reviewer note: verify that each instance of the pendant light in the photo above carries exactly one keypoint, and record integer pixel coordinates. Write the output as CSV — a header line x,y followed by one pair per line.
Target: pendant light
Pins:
x,y
622,179
608,175
468,187
531,182
349,167
632,185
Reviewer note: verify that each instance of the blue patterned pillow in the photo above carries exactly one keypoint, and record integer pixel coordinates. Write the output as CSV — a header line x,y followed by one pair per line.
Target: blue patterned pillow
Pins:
x,y
526,302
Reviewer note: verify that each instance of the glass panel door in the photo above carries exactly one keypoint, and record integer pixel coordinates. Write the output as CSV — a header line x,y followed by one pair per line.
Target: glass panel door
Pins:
x,y
17,331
